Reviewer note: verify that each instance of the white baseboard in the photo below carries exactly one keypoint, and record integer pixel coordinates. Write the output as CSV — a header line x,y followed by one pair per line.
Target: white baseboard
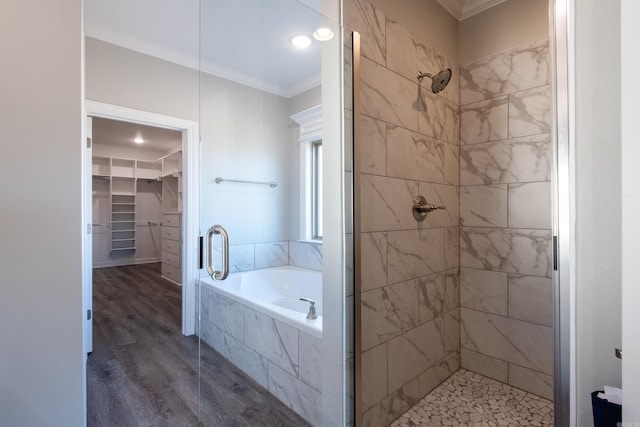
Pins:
x,y
120,263
171,280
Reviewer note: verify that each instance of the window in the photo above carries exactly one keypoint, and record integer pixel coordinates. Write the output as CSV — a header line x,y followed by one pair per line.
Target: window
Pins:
x,y
310,142
316,190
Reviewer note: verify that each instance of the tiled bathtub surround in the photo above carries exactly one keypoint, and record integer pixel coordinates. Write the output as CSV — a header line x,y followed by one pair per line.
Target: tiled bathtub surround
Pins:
x,y
410,282
505,217
281,358
254,256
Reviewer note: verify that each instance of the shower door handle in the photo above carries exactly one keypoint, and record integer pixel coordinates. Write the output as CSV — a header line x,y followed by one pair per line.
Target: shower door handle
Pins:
x,y
218,275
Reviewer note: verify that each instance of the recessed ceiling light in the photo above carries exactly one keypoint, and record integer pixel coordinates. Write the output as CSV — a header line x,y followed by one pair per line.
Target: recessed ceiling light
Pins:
x,y
301,41
323,34
138,140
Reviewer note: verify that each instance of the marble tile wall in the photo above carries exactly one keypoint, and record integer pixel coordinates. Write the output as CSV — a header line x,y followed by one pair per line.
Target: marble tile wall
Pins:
x,y
410,312
254,256
281,358
505,218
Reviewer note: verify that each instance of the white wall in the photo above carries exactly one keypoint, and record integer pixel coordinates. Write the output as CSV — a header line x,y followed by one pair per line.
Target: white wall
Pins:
x,y
41,297
250,130
598,199
115,75
501,27
630,88
245,136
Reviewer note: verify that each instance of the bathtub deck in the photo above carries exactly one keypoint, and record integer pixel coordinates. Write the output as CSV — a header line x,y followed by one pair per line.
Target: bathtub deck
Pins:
x,y
144,372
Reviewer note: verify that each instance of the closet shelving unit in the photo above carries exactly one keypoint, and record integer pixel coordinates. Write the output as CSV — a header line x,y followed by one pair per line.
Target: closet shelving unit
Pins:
x,y
122,175
123,205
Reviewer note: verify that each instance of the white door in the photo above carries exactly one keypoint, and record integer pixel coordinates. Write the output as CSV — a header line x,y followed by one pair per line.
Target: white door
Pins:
x,y
88,243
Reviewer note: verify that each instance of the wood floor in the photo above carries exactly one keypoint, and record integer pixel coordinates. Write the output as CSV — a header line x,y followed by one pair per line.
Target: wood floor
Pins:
x,y
144,372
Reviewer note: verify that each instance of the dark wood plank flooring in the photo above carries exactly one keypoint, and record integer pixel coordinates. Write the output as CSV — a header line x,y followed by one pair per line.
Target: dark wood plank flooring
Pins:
x,y
144,372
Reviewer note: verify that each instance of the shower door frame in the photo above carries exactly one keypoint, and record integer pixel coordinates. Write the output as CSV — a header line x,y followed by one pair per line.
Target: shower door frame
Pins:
x,y
561,43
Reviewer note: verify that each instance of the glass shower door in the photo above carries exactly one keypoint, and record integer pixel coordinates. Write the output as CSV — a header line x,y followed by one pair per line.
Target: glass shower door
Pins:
x,y
270,92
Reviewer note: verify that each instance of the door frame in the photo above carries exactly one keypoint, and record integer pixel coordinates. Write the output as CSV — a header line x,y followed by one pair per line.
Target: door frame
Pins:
x,y
190,193
562,48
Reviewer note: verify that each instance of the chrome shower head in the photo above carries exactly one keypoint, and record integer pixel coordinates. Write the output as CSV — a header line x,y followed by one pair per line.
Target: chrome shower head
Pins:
x,y
439,81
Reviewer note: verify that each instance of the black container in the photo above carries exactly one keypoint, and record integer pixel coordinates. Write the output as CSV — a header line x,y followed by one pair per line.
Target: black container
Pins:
x,y
605,413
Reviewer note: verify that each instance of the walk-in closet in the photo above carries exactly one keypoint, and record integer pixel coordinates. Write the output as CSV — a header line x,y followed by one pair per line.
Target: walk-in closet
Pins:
x,y
136,196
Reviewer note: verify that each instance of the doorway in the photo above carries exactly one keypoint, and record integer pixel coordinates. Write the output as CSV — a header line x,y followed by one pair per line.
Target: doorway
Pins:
x,y
166,180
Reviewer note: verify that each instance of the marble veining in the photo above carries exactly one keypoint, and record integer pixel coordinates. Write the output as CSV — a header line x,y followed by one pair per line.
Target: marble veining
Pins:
x,y
415,253
440,118
226,314
360,15
484,121
521,68
483,205
310,360
392,406
271,254
530,112
522,343
294,393
374,375
451,164
414,352
306,255
531,299
436,374
520,160
406,55
374,260
509,250
414,156
374,140
452,247
532,381
485,365
529,205
275,340
484,290
387,96
438,294
388,312
384,203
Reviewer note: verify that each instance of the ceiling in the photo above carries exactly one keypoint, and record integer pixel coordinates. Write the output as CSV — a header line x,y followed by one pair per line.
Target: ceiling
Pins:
x,y
247,41
122,134
463,9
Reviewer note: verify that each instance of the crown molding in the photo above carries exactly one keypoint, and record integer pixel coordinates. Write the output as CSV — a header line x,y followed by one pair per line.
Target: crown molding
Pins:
x,y
454,7
473,7
463,9
191,61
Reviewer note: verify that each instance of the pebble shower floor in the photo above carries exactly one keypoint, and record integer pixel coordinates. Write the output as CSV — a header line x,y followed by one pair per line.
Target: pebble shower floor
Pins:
x,y
470,399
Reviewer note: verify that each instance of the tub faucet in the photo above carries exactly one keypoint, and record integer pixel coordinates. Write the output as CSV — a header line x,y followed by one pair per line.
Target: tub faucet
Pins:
x,y
312,309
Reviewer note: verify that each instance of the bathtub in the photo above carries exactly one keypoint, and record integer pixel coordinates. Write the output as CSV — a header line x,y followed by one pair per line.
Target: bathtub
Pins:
x,y
255,319
276,292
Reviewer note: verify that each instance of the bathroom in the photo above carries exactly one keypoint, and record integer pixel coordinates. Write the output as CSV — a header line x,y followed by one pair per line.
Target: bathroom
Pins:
x,y
45,89
461,283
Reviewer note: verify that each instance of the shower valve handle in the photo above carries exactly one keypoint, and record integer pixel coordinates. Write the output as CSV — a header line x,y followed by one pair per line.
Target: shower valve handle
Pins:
x,y
421,208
